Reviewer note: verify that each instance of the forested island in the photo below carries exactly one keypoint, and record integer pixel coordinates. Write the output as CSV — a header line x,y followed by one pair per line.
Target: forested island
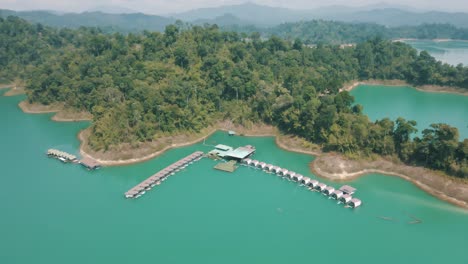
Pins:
x,y
140,86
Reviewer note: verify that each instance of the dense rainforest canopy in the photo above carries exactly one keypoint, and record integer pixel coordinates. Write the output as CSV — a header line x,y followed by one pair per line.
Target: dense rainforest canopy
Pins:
x,y
139,86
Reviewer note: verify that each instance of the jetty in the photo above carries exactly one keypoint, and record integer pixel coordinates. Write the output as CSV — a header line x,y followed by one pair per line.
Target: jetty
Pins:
x,y
162,175
342,195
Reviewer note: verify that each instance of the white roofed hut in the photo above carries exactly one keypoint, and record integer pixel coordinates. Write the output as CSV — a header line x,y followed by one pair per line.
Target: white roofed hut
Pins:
x,y
283,172
355,202
275,169
328,190
347,189
261,165
305,180
337,194
247,161
255,163
268,167
321,186
313,183
291,175
346,198
299,178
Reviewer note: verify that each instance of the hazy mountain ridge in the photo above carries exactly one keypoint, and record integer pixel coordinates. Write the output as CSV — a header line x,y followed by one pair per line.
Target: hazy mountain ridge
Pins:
x,y
384,14
247,14
117,22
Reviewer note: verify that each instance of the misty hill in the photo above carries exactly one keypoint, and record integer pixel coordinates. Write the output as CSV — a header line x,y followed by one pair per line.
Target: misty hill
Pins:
x,y
396,17
108,22
259,15
382,14
111,9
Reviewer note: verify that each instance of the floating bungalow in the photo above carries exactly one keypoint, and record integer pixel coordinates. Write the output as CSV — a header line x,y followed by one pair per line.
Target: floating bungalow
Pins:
x,y
275,169
299,178
313,184
291,175
347,189
283,172
261,165
305,181
268,167
346,198
328,190
321,186
255,163
355,202
337,194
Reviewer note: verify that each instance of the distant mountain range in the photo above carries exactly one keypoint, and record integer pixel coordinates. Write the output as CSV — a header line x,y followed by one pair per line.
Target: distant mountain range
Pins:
x,y
109,22
241,15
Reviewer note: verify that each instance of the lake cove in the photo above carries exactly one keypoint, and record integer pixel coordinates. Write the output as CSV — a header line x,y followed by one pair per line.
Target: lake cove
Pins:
x,y
61,213
381,101
450,51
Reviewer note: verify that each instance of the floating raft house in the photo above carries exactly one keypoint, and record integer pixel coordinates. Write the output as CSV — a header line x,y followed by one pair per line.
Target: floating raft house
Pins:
x,y
90,164
239,154
161,175
63,156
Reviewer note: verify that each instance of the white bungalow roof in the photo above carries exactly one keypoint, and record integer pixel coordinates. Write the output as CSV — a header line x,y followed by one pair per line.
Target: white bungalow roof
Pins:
x,y
347,189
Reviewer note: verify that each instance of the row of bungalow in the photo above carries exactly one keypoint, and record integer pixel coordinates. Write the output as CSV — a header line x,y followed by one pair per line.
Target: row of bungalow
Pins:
x,y
162,175
343,194
61,155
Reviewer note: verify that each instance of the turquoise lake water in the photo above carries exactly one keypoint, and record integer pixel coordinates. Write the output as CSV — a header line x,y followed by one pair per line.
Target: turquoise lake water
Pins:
x,y
424,107
451,52
61,213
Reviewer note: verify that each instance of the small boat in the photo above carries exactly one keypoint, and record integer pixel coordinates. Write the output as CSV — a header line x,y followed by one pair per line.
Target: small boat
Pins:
x,y
62,159
158,182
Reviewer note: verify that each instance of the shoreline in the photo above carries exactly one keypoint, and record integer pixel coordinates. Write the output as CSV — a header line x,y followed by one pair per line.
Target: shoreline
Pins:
x,y
433,182
286,142
424,39
61,115
398,83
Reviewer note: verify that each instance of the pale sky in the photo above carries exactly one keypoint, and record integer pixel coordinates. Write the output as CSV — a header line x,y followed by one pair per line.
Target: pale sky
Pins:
x,y
162,7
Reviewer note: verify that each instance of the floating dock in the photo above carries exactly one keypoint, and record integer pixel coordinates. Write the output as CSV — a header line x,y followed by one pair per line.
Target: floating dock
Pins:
x,y
343,194
90,164
229,166
161,175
